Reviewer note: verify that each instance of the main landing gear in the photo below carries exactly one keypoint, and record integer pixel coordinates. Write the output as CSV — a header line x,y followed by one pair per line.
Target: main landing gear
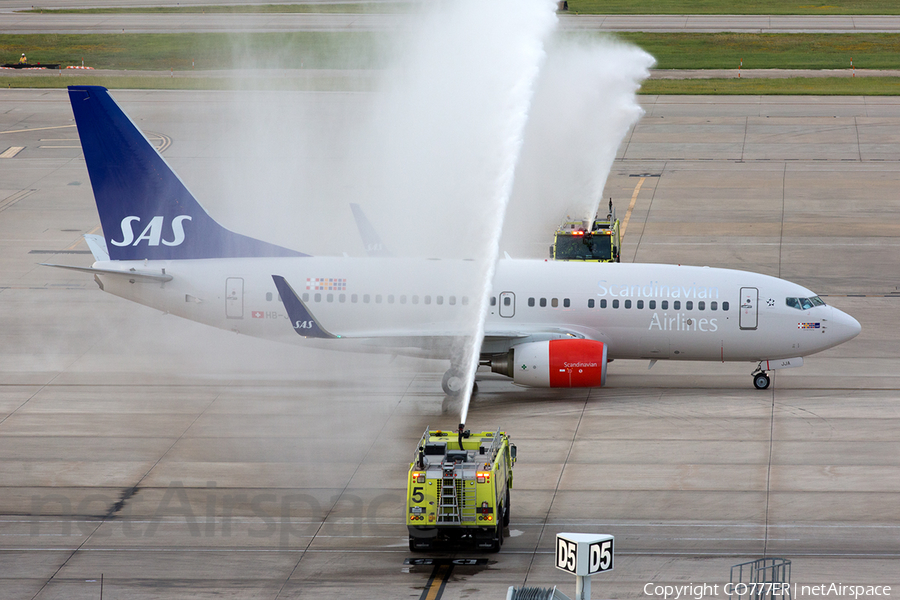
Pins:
x,y
760,378
453,382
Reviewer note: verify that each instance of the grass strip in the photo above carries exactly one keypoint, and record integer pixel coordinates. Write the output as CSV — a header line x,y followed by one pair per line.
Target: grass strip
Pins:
x,y
347,8
794,86
797,86
366,50
730,7
769,50
183,51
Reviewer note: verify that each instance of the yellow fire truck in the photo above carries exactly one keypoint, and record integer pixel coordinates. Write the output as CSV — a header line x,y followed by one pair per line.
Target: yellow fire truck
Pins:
x,y
458,488
591,241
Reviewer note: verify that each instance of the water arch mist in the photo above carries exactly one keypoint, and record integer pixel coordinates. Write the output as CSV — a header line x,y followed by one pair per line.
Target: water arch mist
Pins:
x,y
486,130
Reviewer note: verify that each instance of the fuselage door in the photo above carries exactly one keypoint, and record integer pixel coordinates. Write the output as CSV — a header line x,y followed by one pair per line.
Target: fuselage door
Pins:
x,y
234,298
749,308
507,304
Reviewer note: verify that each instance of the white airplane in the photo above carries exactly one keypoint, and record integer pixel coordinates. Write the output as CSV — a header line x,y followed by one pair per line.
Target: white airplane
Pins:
x,y
550,323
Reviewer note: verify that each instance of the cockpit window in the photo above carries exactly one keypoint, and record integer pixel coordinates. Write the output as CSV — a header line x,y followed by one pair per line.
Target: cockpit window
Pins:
x,y
804,303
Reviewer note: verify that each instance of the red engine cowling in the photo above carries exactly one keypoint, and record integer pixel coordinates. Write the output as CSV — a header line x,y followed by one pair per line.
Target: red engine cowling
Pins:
x,y
559,363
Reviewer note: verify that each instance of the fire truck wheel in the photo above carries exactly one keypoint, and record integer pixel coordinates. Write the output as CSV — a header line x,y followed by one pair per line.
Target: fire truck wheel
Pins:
x,y
497,540
506,510
417,545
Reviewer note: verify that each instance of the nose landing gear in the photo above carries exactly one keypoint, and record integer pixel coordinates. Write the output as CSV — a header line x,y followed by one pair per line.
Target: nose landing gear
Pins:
x,y
760,378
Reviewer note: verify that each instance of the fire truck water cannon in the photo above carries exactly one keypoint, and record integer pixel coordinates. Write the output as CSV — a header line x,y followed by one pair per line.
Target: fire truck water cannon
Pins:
x,y
597,240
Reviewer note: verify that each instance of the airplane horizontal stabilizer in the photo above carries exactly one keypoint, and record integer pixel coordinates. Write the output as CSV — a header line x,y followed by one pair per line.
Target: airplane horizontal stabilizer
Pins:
x,y
129,274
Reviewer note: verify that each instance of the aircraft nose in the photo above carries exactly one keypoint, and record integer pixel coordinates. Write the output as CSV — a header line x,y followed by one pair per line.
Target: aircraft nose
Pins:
x,y
845,326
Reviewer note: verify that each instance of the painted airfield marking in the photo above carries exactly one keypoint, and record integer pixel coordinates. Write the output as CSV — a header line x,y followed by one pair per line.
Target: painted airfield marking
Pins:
x,y
37,129
637,190
434,589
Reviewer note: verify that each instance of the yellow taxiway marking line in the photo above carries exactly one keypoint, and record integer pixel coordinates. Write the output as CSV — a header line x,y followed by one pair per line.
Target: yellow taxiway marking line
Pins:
x,y
37,129
81,239
637,190
438,581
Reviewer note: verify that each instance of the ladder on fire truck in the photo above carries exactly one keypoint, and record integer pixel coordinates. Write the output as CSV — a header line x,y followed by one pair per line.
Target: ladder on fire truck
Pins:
x,y
457,500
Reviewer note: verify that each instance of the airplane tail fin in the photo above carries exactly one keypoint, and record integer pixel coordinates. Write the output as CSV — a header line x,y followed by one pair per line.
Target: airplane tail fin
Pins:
x,y
371,239
145,209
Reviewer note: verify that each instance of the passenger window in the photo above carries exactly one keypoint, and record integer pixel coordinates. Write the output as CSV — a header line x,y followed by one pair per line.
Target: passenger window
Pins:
x,y
689,305
713,306
493,301
565,303
652,304
390,299
543,302
378,299
640,304
724,306
427,299
603,303
317,297
554,302
305,297
507,301
701,306
415,299
439,299
366,298
342,298
330,297
628,304
402,299
677,305
452,300
268,296
531,302
354,298
616,303
465,300
665,305
591,303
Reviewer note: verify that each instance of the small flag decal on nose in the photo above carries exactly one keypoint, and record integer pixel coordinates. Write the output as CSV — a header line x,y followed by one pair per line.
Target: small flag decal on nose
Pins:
x,y
809,325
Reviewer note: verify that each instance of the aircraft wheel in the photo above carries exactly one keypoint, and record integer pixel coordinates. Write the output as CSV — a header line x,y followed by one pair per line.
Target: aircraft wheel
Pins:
x,y
761,381
452,383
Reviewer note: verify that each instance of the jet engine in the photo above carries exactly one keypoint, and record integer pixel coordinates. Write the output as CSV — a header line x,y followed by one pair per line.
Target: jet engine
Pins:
x,y
554,363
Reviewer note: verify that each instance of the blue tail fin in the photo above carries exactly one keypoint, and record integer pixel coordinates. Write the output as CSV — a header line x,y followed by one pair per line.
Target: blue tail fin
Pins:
x,y
145,209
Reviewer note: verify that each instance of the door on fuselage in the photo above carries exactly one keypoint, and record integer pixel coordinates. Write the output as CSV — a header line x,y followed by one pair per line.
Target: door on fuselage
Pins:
x,y
234,298
749,308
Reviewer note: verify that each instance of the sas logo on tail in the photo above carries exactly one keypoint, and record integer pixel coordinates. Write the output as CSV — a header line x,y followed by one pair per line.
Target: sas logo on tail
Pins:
x,y
153,232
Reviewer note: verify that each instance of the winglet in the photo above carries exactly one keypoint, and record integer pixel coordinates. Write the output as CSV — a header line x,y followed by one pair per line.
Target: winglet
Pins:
x,y
304,323
371,240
